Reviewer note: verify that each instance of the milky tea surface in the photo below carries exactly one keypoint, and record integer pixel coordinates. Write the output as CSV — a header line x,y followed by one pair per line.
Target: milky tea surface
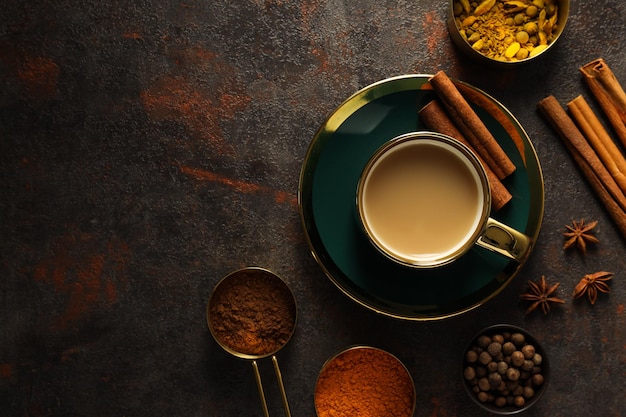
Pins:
x,y
422,200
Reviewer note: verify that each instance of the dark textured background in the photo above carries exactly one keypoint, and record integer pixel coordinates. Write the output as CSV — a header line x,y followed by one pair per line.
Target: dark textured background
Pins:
x,y
148,148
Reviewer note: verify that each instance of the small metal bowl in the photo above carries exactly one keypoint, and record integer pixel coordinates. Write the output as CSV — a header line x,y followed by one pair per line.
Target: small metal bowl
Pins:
x,y
496,400
460,38
252,314
364,380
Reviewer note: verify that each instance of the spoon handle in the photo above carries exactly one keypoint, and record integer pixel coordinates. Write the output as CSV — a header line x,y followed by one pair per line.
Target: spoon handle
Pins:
x,y
281,386
257,376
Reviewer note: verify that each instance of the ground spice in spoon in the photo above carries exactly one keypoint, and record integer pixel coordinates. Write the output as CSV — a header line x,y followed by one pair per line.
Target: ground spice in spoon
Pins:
x,y
252,312
364,382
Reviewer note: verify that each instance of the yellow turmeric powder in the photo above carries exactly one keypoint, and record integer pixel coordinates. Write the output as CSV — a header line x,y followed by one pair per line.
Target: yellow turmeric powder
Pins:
x,y
507,30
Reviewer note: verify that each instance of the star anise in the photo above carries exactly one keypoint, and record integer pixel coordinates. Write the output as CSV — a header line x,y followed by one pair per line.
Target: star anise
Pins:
x,y
591,284
540,293
580,234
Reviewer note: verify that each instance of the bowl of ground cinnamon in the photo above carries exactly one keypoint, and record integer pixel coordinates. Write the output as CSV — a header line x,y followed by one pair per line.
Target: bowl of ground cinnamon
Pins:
x,y
506,33
364,381
251,314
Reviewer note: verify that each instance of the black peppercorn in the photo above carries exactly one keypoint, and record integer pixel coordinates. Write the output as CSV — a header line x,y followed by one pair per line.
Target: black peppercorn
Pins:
x,y
483,384
502,367
484,358
508,348
528,365
471,356
494,348
483,341
518,339
528,351
495,379
517,358
537,379
528,393
512,374
469,373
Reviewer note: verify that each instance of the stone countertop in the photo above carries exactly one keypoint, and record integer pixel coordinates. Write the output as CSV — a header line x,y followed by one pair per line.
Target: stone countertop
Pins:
x,y
149,148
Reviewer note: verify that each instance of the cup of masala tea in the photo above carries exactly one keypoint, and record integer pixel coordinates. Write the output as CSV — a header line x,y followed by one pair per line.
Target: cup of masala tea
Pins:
x,y
423,201
505,34
364,381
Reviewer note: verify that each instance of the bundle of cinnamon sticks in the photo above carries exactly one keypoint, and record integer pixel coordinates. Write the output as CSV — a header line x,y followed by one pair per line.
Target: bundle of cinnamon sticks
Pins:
x,y
452,115
595,153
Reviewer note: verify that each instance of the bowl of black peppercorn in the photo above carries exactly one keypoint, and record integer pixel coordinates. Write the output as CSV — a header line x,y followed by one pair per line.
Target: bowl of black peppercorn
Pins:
x,y
505,370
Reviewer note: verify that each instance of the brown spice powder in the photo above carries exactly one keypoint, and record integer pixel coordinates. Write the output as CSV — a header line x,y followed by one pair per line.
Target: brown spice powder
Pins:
x,y
364,382
252,312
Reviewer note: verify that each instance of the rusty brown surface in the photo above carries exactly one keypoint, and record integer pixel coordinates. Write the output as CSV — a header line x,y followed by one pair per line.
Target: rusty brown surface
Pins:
x,y
149,148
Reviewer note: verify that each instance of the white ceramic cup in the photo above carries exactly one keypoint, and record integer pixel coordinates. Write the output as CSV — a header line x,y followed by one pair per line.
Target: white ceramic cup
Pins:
x,y
423,200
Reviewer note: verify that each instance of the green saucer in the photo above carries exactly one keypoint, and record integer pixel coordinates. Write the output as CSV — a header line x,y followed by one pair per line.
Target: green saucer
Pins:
x,y
327,199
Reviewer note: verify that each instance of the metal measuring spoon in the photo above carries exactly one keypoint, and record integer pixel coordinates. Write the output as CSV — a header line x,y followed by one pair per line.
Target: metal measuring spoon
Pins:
x,y
251,314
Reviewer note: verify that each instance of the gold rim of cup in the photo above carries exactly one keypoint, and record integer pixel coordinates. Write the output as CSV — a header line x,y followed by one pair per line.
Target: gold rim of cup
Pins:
x,y
456,148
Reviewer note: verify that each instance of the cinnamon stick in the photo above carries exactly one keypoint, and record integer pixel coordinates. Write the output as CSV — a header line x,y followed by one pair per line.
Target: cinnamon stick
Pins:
x,y
468,122
599,140
587,161
487,104
609,93
436,119
616,212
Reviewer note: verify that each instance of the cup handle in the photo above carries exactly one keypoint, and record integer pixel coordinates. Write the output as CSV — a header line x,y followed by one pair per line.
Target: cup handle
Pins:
x,y
500,238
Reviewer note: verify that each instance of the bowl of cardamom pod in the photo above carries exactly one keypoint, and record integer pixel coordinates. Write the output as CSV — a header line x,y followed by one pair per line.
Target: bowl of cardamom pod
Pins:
x,y
506,33
505,369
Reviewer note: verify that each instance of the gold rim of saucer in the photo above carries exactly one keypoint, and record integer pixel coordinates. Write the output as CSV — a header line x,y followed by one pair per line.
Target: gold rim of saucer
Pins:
x,y
338,262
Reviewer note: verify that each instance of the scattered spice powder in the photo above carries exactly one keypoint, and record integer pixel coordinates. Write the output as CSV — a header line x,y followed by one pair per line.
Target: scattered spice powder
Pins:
x,y
252,312
364,382
507,30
